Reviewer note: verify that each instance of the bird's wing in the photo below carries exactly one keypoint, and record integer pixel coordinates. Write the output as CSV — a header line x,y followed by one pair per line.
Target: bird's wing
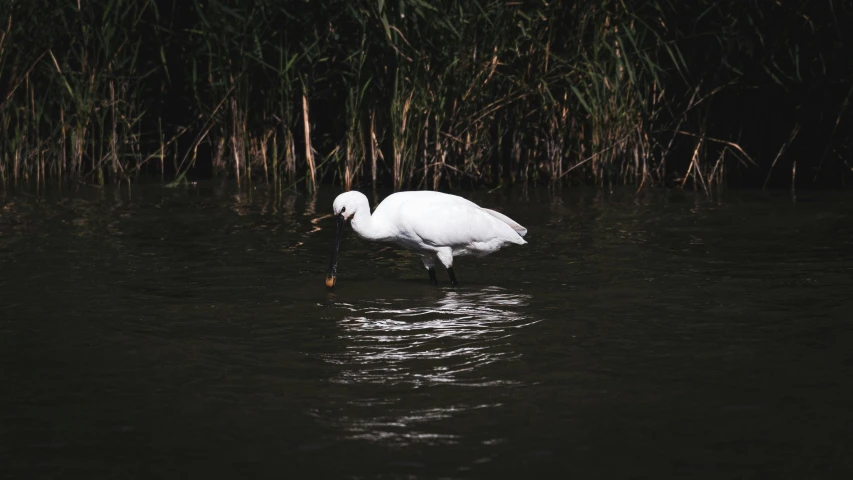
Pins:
x,y
453,222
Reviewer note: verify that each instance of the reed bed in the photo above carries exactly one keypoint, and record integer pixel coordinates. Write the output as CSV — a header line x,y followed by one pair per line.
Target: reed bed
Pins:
x,y
416,94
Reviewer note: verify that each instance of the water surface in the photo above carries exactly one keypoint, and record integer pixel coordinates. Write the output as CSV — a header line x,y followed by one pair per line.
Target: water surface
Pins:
x,y
186,333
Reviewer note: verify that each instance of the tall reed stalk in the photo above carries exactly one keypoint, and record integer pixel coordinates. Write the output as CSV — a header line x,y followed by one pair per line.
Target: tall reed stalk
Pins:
x,y
414,94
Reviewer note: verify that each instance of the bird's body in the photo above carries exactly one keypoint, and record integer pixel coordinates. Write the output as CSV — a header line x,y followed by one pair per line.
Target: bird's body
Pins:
x,y
436,225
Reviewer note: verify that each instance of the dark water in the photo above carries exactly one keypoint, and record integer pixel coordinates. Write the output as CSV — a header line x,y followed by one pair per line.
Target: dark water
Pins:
x,y
187,334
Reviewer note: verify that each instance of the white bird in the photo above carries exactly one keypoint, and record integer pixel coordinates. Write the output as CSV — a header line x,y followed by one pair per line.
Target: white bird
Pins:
x,y
436,225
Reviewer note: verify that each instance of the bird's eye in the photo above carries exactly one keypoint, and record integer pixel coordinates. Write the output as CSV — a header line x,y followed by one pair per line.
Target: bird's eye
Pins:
x,y
343,209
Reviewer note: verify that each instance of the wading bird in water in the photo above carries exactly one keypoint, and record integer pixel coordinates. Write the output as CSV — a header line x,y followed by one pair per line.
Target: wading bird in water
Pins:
x,y
436,225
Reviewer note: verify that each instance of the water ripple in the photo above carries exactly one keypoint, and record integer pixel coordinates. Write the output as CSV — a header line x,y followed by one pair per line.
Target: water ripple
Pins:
x,y
447,341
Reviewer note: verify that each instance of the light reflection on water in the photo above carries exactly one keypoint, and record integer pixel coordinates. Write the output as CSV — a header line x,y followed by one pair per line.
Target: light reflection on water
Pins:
x,y
389,343
447,342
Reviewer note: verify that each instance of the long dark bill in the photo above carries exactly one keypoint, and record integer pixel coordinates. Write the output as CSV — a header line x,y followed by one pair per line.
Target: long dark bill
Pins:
x,y
333,263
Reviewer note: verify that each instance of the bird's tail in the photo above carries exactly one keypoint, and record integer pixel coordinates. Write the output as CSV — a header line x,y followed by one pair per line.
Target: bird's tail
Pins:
x,y
512,223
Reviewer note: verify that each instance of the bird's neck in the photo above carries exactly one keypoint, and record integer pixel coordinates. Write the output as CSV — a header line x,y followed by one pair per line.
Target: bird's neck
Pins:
x,y
367,226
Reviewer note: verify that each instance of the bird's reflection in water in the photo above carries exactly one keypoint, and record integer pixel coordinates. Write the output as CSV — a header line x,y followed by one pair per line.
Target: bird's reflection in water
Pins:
x,y
444,341
447,343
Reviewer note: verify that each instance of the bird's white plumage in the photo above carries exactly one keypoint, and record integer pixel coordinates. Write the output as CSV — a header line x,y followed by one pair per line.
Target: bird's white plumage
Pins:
x,y
436,225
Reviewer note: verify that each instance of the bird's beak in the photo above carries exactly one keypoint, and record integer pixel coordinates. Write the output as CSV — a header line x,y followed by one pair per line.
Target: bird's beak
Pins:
x,y
333,264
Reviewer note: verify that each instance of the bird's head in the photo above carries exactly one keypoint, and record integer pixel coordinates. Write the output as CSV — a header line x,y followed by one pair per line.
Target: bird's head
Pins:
x,y
346,204
344,208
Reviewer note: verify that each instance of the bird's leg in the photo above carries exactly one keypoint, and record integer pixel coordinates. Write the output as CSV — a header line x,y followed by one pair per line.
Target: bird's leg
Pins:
x,y
452,276
429,263
445,256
